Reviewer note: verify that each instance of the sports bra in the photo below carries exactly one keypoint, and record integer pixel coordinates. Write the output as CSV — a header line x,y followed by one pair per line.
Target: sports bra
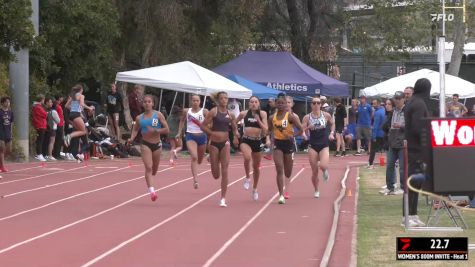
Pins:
x,y
221,121
153,122
250,121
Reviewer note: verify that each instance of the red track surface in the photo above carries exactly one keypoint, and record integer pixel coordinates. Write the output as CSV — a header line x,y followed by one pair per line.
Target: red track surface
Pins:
x,y
68,214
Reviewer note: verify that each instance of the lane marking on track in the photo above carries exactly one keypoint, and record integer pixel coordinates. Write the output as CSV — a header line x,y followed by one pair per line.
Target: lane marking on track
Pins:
x,y
106,167
123,244
42,175
75,196
248,223
19,170
92,216
60,183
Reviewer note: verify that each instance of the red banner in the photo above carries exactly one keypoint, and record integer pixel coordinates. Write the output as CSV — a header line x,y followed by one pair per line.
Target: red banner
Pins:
x,y
453,133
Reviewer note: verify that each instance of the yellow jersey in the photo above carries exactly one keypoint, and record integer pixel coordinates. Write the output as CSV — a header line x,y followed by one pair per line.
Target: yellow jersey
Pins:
x,y
282,129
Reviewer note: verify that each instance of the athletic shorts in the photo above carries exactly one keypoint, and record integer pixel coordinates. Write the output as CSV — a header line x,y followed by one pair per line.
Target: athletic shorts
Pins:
x,y
254,144
286,146
74,115
5,137
318,147
363,133
199,139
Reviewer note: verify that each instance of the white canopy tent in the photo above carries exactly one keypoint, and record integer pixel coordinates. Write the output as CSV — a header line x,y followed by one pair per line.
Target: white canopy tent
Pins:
x,y
453,84
184,77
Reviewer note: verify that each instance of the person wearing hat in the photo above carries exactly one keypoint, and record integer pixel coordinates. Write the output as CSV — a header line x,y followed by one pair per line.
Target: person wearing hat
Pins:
x,y
395,145
363,124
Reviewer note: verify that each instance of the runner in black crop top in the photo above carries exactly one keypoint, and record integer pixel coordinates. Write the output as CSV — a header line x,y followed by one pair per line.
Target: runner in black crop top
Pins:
x,y
219,147
255,127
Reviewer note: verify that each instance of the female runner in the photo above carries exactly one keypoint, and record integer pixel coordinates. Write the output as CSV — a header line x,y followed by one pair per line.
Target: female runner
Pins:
x,y
219,147
316,123
151,124
196,139
255,126
282,125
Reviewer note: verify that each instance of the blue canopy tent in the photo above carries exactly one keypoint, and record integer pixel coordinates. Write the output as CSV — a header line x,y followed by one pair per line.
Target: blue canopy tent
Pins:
x,y
259,90
283,71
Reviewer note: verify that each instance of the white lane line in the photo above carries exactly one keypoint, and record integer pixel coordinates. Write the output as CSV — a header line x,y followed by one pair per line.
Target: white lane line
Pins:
x,y
107,253
19,170
38,176
75,196
60,183
238,233
90,217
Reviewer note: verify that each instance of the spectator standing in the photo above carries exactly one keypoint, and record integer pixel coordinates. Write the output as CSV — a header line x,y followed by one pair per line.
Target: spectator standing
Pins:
x,y
135,101
58,142
114,108
340,125
39,116
416,110
6,123
174,137
408,91
352,119
377,135
455,108
363,124
395,146
52,125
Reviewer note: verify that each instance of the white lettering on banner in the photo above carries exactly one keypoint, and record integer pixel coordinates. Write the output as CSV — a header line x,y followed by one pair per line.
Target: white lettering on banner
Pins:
x,y
443,132
288,87
465,135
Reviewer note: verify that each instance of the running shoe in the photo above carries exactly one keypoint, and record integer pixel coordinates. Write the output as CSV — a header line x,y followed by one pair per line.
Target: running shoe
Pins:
x,y
172,163
195,184
343,154
317,194
153,196
281,200
222,203
337,154
326,176
247,183
40,157
286,195
255,195
175,156
3,169
416,219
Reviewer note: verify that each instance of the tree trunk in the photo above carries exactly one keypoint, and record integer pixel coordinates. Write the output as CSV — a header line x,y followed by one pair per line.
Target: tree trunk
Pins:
x,y
298,18
459,42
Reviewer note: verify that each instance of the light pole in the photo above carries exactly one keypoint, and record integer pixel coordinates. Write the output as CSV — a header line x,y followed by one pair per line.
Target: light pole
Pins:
x,y
441,58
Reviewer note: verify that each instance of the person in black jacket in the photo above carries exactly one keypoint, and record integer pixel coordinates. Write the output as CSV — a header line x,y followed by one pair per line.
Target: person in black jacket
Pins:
x,y
415,111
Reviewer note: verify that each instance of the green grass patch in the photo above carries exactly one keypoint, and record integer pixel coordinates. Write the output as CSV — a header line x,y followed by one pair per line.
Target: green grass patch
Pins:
x,y
379,219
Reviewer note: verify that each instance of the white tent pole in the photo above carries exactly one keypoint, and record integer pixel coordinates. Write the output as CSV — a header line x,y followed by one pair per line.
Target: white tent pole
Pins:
x,y
173,103
160,104
204,101
244,105
184,96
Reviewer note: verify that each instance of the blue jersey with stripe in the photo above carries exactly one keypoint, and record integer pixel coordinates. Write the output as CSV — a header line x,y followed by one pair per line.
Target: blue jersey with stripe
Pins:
x,y
153,122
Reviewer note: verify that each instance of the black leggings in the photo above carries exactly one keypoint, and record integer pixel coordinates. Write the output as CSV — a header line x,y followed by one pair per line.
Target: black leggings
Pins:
x,y
375,146
417,181
40,138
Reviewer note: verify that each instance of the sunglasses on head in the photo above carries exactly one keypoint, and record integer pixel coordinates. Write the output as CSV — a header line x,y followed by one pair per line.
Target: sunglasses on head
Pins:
x,y
316,102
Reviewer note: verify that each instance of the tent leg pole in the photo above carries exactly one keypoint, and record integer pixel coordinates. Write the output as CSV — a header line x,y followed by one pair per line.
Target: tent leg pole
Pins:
x,y
184,96
204,101
173,103
160,104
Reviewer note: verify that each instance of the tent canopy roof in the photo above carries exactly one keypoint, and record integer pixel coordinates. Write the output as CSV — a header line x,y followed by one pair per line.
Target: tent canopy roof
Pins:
x,y
453,84
184,77
283,71
258,90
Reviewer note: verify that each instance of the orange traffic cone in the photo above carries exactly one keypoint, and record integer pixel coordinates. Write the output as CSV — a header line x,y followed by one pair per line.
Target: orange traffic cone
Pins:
x,y
348,193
